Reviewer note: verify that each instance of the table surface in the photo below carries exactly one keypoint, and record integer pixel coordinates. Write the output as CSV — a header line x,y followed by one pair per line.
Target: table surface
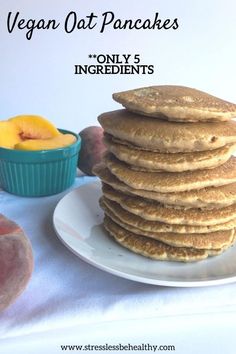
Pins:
x,y
69,302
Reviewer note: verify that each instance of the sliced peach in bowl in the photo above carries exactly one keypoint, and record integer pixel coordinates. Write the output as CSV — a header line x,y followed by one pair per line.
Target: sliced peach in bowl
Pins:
x,y
59,141
34,127
9,134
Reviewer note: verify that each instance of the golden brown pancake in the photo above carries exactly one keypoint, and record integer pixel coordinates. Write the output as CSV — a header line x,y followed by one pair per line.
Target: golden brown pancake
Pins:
x,y
176,103
151,210
155,249
169,182
211,240
114,210
142,160
207,198
154,134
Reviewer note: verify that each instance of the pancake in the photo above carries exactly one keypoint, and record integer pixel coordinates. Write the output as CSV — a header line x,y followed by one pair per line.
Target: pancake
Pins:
x,y
155,249
211,240
142,160
169,182
130,145
205,198
151,210
176,103
116,212
155,134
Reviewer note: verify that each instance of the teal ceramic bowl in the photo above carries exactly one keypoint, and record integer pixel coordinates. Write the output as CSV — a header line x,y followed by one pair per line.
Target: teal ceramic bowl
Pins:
x,y
39,173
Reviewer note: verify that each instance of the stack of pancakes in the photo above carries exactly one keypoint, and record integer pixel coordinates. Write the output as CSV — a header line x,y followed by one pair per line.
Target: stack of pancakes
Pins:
x,y
169,177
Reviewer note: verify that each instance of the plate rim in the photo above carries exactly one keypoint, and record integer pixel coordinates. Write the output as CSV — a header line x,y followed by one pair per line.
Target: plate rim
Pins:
x,y
133,277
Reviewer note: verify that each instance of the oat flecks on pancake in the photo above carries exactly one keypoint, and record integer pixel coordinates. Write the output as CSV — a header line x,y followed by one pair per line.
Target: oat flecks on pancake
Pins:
x,y
207,198
113,208
152,133
179,162
155,249
168,182
151,210
213,240
176,103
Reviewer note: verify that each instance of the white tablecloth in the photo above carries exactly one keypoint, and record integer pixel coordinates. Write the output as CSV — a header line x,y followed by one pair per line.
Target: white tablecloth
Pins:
x,y
65,292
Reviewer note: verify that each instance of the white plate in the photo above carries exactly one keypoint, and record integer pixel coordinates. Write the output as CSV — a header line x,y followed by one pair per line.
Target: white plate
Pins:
x,y
78,219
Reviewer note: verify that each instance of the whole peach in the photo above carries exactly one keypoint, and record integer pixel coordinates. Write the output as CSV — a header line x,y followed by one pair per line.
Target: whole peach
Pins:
x,y
92,148
16,261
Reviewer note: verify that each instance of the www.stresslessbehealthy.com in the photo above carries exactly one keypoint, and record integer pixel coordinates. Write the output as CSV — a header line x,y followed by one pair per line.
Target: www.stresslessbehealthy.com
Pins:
x,y
118,347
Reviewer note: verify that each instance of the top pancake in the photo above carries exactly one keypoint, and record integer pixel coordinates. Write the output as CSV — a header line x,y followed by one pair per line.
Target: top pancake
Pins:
x,y
176,103
155,134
